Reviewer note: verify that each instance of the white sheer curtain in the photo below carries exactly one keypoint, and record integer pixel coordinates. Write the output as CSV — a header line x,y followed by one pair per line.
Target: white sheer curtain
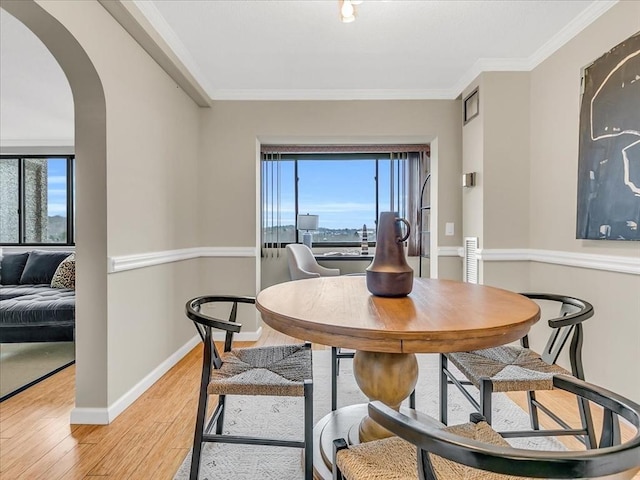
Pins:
x,y
271,203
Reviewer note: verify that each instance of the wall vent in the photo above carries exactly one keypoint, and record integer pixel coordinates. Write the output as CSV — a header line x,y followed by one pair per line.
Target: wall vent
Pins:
x,y
471,259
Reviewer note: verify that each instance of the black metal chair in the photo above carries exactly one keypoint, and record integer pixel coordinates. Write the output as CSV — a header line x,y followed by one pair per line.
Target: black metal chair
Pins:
x,y
337,354
282,370
511,368
475,450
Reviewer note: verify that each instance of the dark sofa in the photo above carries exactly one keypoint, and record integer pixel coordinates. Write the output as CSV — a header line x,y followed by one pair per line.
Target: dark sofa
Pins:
x,y
31,309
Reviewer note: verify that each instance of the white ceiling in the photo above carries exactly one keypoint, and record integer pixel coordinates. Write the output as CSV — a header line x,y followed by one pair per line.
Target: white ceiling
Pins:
x,y
299,49
278,49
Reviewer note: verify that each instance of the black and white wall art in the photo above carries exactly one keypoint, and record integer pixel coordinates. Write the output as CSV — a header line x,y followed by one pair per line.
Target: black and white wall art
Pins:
x,y
609,151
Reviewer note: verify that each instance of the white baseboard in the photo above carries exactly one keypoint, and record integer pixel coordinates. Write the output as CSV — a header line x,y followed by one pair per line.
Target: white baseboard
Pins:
x,y
89,416
104,416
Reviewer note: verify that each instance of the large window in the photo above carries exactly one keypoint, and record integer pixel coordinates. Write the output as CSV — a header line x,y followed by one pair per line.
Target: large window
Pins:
x,y
36,200
346,190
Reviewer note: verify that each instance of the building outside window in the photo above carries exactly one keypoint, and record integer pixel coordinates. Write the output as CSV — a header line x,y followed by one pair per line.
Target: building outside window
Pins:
x,y
37,200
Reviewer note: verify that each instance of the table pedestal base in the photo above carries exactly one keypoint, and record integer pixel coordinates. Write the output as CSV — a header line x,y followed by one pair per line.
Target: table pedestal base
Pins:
x,y
388,377
343,423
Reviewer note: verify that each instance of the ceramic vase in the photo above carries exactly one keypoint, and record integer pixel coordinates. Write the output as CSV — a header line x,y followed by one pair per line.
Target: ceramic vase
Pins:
x,y
389,275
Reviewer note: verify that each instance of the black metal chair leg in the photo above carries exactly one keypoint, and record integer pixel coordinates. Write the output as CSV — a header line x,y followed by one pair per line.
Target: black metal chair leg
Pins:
x,y
443,389
533,410
197,436
220,422
587,423
486,389
308,430
338,444
610,430
334,378
412,400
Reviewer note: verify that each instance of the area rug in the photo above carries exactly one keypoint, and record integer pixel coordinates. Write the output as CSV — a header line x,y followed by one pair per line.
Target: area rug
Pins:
x,y
283,418
25,364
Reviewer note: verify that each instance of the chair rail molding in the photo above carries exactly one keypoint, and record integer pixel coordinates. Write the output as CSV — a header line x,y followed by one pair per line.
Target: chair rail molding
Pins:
x,y
121,263
450,251
610,263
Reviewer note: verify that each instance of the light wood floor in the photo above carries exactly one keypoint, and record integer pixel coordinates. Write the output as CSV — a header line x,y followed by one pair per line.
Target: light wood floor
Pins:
x,y
147,441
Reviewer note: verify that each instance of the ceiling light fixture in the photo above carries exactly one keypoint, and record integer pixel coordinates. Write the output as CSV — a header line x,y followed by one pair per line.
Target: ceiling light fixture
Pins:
x,y
348,10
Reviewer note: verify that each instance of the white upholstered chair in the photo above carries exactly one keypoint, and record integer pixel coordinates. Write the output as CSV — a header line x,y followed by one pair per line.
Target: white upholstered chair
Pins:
x,y
302,263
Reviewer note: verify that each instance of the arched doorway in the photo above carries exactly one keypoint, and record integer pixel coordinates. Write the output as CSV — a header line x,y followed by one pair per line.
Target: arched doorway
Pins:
x,y
91,199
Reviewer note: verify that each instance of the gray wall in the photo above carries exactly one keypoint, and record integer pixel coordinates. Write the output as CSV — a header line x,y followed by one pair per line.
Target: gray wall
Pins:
x,y
136,170
524,144
233,130
612,337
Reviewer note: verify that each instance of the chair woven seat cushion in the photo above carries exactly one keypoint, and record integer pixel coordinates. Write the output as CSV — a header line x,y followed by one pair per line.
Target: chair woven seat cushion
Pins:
x,y
388,459
510,368
396,459
278,370
482,432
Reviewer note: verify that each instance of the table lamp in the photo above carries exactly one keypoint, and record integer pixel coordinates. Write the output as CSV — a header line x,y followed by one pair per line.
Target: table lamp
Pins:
x,y
307,222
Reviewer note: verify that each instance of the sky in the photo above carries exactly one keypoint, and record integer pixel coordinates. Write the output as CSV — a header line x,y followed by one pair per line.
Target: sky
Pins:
x,y
341,193
57,187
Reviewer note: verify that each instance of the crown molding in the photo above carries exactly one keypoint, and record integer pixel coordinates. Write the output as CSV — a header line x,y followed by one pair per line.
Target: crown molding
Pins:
x,y
158,22
333,94
490,65
573,28
145,24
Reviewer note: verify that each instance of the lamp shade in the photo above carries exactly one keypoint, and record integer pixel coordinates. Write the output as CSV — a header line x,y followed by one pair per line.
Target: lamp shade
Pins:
x,y
307,222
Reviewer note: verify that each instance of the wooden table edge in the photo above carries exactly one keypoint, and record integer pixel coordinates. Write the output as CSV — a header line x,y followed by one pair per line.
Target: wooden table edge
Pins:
x,y
396,341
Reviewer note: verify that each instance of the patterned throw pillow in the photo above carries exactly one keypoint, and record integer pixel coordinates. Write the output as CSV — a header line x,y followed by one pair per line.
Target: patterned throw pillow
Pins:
x,y
65,276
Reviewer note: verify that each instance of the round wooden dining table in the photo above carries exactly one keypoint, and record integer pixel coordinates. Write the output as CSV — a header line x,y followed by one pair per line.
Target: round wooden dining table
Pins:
x,y
438,316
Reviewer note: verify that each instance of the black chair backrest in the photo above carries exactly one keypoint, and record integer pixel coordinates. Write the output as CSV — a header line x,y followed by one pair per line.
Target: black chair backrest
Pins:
x,y
205,323
609,459
573,312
